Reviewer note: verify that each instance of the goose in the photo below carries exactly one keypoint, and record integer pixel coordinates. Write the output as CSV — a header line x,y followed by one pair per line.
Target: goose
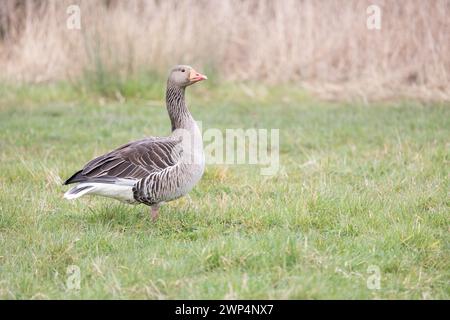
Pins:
x,y
152,170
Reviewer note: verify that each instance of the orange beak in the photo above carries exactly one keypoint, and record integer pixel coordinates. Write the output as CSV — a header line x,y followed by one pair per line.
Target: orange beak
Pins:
x,y
195,76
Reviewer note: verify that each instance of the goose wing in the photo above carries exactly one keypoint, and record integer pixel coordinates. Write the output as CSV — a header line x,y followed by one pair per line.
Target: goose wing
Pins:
x,y
134,160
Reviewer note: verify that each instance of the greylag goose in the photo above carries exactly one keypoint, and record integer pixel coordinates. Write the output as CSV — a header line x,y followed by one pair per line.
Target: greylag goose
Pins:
x,y
153,170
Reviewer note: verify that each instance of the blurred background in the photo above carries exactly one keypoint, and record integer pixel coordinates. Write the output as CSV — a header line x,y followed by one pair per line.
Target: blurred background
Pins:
x,y
364,125
323,46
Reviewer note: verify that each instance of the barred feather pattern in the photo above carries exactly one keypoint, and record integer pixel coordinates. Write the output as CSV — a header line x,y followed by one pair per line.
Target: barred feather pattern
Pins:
x,y
175,180
155,163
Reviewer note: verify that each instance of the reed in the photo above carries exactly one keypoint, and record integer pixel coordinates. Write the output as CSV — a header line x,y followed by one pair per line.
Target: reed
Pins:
x,y
322,45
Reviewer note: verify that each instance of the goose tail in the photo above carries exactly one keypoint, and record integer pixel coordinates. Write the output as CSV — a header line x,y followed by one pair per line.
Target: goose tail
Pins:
x,y
78,191
120,189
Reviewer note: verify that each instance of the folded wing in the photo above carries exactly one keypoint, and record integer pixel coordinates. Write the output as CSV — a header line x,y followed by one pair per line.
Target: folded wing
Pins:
x,y
134,160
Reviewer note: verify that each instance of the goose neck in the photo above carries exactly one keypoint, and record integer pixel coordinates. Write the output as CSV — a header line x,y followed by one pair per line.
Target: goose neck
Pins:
x,y
180,117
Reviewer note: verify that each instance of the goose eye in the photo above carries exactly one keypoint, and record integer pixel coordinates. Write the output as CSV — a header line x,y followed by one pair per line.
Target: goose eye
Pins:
x,y
182,70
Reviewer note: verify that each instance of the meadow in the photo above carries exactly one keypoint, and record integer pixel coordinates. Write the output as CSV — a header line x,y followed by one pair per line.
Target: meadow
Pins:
x,y
363,187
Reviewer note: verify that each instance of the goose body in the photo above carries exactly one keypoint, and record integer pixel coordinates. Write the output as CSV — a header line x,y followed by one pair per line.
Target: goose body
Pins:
x,y
155,169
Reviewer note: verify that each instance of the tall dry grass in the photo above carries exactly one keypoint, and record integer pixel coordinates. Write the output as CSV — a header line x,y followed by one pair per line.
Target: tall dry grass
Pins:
x,y
323,45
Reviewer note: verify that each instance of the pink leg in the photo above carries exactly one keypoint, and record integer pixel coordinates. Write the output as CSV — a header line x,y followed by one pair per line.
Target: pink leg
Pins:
x,y
155,212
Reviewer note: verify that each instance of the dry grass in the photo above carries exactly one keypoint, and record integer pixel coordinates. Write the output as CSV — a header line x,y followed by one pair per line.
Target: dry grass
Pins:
x,y
322,45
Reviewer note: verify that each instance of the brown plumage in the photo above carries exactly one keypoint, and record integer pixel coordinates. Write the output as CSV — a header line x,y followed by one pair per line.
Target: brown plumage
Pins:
x,y
152,170
134,160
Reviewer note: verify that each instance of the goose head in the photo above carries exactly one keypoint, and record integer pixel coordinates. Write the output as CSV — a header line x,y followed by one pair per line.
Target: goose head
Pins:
x,y
183,76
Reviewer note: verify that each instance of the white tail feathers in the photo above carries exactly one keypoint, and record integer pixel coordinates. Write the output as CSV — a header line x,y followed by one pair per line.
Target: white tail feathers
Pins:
x,y
122,192
78,191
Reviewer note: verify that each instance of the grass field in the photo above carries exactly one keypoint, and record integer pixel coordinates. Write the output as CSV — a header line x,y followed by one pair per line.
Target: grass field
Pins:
x,y
361,185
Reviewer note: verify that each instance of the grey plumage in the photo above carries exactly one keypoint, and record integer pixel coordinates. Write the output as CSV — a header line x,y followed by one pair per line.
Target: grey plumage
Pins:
x,y
155,169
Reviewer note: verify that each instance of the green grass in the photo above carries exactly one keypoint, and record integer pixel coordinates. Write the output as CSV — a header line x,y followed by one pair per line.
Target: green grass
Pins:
x,y
361,185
